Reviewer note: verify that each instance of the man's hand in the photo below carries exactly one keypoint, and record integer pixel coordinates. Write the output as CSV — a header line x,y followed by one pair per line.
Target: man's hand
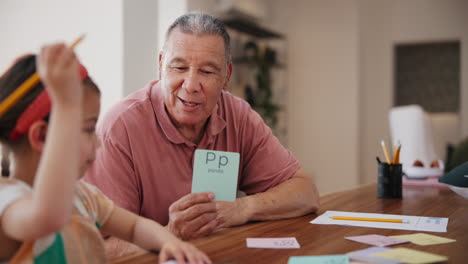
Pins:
x,y
194,215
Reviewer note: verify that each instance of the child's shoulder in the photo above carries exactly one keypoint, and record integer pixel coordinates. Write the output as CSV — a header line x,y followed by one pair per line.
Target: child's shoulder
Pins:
x,y
86,187
11,190
91,193
10,183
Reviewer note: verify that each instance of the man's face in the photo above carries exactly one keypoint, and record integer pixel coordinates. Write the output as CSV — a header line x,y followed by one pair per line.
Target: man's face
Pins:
x,y
193,72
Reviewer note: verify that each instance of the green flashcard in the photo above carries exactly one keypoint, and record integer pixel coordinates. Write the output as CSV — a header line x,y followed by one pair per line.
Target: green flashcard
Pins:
x,y
216,171
324,259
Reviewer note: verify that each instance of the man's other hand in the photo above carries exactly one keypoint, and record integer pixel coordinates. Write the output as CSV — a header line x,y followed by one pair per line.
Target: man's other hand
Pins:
x,y
194,215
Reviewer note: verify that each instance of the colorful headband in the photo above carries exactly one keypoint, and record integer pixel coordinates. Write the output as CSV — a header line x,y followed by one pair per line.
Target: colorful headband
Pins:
x,y
37,110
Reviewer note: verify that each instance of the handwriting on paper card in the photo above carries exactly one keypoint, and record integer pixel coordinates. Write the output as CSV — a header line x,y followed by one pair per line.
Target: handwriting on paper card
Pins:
x,y
284,242
433,220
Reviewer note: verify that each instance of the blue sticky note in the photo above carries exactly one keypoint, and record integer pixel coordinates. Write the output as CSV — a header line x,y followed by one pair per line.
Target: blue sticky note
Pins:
x,y
216,171
325,259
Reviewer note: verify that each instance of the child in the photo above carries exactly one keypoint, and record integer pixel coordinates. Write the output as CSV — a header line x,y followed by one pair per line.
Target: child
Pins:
x,y
46,214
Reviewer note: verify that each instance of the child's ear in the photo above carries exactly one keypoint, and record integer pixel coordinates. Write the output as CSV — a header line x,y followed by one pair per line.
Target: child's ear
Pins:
x,y
37,135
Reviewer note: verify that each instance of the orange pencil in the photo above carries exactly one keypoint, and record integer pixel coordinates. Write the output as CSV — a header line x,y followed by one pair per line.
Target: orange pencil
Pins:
x,y
396,158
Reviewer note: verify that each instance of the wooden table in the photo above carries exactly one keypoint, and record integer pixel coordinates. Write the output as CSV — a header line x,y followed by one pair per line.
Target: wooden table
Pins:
x,y
229,246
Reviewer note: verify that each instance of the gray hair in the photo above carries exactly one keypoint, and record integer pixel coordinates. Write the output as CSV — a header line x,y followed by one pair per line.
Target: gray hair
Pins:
x,y
199,24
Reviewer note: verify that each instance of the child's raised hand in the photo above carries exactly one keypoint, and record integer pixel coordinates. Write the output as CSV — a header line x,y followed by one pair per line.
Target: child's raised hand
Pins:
x,y
58,69
183,253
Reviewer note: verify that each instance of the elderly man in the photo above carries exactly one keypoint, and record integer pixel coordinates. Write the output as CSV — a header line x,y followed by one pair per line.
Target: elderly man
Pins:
x,y
145,163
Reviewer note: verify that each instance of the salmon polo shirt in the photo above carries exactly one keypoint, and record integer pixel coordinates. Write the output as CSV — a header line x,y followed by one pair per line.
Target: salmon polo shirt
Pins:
x,y
145,164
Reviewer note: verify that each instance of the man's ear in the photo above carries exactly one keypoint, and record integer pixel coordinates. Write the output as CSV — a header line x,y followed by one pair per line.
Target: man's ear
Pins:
x,y
228,77
160,64
37,135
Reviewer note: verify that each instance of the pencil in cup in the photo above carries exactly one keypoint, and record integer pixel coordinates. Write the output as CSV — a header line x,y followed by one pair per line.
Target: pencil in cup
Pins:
x,y
396,157
385,151
389,181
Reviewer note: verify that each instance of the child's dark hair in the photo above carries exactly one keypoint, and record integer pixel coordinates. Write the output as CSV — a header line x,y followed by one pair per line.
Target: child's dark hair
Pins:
x,y
19,72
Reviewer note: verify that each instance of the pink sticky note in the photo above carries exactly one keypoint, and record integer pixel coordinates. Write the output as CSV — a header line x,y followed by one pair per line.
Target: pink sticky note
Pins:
x,y
283,242
377,240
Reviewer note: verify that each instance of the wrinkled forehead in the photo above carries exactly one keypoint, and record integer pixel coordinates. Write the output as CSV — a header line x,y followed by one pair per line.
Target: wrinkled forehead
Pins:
x,y
178,42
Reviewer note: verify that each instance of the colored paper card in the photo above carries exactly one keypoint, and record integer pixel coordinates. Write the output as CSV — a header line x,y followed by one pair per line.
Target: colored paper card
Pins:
x,y
417,223
325,259
284,242
425,239
377,240
217,172
365,255
411,256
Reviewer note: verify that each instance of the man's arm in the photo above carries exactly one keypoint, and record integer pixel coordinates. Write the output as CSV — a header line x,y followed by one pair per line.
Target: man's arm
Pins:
x,y
294,197
278,187
196,215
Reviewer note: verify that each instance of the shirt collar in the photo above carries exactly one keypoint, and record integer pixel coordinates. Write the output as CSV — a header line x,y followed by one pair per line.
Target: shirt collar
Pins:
x,y
215,124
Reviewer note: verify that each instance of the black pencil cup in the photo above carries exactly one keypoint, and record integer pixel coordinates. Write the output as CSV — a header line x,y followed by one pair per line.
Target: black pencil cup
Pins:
x,y
389,181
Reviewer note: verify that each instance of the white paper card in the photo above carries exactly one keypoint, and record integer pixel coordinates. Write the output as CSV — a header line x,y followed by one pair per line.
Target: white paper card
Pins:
x,y
284,242
416,223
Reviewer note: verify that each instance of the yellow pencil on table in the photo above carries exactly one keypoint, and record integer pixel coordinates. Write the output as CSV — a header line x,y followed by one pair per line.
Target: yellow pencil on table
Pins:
x,y
387,156
368,219
26,86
